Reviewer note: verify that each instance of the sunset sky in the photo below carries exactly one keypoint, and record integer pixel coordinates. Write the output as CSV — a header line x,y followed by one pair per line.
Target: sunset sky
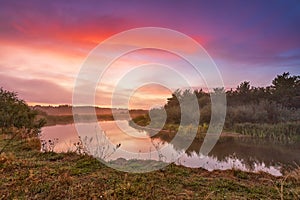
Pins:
x,y
44,43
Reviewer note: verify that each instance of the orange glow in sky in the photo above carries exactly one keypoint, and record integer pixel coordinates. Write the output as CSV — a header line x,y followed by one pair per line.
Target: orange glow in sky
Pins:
x,y
44,44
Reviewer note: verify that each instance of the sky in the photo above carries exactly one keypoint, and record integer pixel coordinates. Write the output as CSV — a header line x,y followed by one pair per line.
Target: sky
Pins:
x,y
45,43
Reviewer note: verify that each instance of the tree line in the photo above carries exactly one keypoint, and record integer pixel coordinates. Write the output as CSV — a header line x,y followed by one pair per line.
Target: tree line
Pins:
x,y
279,102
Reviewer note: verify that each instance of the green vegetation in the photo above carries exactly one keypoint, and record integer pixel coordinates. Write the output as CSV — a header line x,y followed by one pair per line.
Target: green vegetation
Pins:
x,y
15,113
17,118
281,132
271,112
27,173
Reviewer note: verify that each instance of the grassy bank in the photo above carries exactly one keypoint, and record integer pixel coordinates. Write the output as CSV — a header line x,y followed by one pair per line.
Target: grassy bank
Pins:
x,y
26,173
284,132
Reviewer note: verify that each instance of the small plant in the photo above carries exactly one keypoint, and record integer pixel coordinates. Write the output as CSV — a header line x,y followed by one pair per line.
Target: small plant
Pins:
x,y
79,147
48,145
97,146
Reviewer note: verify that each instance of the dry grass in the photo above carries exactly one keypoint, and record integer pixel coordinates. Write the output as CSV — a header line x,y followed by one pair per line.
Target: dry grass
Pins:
x,y
292,177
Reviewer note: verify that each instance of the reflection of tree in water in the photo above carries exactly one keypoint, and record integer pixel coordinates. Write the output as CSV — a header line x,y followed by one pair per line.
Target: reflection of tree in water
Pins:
x,y
254,150
249,151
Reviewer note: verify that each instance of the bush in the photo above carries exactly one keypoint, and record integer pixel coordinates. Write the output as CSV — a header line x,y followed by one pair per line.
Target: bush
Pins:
x,y
15,113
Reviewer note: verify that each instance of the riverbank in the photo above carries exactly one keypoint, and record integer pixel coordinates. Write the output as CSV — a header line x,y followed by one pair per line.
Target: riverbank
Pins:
x,y
282,133
26,173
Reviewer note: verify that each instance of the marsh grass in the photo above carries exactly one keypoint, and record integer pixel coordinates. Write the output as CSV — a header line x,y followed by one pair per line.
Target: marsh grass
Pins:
x,y
288,132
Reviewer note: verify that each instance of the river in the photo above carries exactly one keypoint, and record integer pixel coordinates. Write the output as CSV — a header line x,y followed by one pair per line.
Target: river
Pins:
x,y
244,153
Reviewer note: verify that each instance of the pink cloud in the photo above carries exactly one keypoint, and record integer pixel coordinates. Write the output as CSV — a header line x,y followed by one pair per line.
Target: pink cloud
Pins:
x,y
36,90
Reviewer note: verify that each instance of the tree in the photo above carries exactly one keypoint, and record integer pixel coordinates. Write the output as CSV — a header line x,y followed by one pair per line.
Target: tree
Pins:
x,y
285,82
173,108
241,95
286,89
243,88
15,113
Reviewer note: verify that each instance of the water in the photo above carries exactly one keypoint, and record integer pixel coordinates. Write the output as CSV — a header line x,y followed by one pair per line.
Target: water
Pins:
x,y
247,154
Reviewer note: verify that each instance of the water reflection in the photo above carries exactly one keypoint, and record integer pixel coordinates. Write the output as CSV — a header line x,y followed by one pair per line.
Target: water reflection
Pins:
x,y
243,153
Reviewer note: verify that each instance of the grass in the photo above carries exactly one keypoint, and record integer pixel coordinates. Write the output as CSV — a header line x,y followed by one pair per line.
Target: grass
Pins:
x,y
287,132
27,173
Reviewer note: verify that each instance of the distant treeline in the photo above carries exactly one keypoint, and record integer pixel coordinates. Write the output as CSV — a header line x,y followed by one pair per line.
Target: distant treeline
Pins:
x,y
67,110
63,114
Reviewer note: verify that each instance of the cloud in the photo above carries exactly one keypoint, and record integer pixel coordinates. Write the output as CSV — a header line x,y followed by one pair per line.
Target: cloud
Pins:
x,y
43,43
36,90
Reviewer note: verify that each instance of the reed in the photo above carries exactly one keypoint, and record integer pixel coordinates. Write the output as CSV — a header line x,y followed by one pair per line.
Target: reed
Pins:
x,y
287,132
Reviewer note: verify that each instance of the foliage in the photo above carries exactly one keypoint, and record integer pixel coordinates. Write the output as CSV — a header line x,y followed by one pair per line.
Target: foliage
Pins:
x,y
15,113
282,132
142,120
262,112
277,103
286,90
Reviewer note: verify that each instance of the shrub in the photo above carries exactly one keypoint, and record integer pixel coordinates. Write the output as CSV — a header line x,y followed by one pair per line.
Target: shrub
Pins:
x,y
15,113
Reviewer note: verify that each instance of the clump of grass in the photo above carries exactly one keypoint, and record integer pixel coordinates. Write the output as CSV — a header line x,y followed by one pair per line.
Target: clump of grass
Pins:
x,y
32,143
288,132
289,184
48,145
79,147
